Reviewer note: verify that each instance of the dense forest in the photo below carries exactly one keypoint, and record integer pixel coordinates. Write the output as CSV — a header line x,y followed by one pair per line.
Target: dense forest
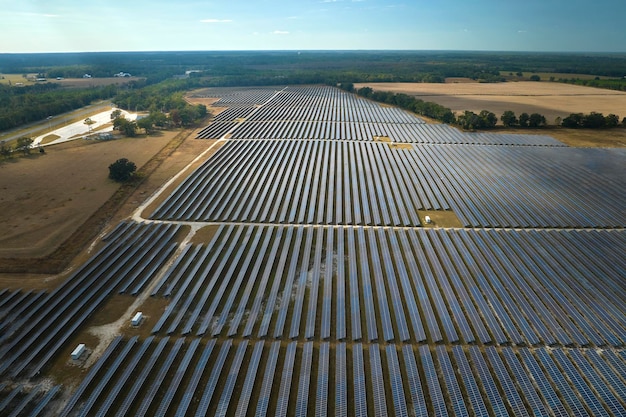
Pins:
x,y
164,75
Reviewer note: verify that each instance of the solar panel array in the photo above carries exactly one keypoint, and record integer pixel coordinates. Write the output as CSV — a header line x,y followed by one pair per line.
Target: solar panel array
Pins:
x,y
318,294
415,279
127,261
351,183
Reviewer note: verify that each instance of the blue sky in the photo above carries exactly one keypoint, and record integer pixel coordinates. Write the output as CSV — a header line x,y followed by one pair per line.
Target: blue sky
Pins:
x,y
149,25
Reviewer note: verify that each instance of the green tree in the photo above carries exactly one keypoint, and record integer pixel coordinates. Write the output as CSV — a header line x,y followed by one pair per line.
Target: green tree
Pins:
x,y
535,77
125,126
115,114
5,150
146,124
508,118
489,119
122,170
523,119
573,121
536,120
593,120
612,120
23,145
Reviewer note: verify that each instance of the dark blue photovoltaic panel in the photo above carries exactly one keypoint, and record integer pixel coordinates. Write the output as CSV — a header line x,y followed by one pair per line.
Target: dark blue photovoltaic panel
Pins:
x,y
104,380
525,384
246,389
395,378
473,392
341,381
305,380
437,399
268,380
579,384
413,380
545,388
205,400
285,382
560,383
231,379
183,405
360,396
611,402
128,370
506,383
321,398
484,376
454,392
378,382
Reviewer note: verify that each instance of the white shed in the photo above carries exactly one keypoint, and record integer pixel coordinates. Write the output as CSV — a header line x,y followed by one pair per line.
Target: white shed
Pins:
x,y
136,321
78,352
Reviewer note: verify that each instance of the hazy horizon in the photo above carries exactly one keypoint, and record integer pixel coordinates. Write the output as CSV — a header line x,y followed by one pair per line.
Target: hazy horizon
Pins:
x,y
279,25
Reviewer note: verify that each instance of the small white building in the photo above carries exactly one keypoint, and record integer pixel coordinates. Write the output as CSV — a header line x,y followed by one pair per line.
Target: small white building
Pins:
x,y
427,219
78,352
136,320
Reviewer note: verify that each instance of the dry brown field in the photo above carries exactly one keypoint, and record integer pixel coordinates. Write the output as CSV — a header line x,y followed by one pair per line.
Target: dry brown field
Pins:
x,y
550,99
45,198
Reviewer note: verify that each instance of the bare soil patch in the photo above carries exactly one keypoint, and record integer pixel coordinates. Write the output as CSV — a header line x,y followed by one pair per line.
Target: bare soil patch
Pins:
x,y
550,99
204,235
440,218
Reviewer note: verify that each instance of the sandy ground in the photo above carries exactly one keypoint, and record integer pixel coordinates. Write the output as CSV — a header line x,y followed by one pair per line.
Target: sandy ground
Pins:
x,y
77,130
550,99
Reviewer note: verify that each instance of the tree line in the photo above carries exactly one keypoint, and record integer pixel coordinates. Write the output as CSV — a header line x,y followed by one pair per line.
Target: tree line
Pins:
x,y
22,105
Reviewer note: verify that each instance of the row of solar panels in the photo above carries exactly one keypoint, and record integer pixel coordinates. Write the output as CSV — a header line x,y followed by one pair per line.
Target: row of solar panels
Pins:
x,y
325,182
308,113
45,323
269,378
327,113
23,401
363,131
487,286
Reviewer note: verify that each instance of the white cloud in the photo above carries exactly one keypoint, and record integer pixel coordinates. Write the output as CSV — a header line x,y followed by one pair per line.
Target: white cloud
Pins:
x,y
216,21
280,32
293,17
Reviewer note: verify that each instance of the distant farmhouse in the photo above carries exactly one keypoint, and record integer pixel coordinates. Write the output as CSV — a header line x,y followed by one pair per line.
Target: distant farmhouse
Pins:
x,y
122,74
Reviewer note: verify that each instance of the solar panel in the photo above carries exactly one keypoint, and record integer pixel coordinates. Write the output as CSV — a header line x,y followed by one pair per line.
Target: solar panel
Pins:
x,y
437,399
378,382
413,380
190,391
341,382
305,380
526,386
598,384
128,370
104,380
473,392
174,383
360,396
447,371
209,388
484,376
285,381
395,378
560,383
246,390
231,379
268,380
41,405
321,397
543,384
